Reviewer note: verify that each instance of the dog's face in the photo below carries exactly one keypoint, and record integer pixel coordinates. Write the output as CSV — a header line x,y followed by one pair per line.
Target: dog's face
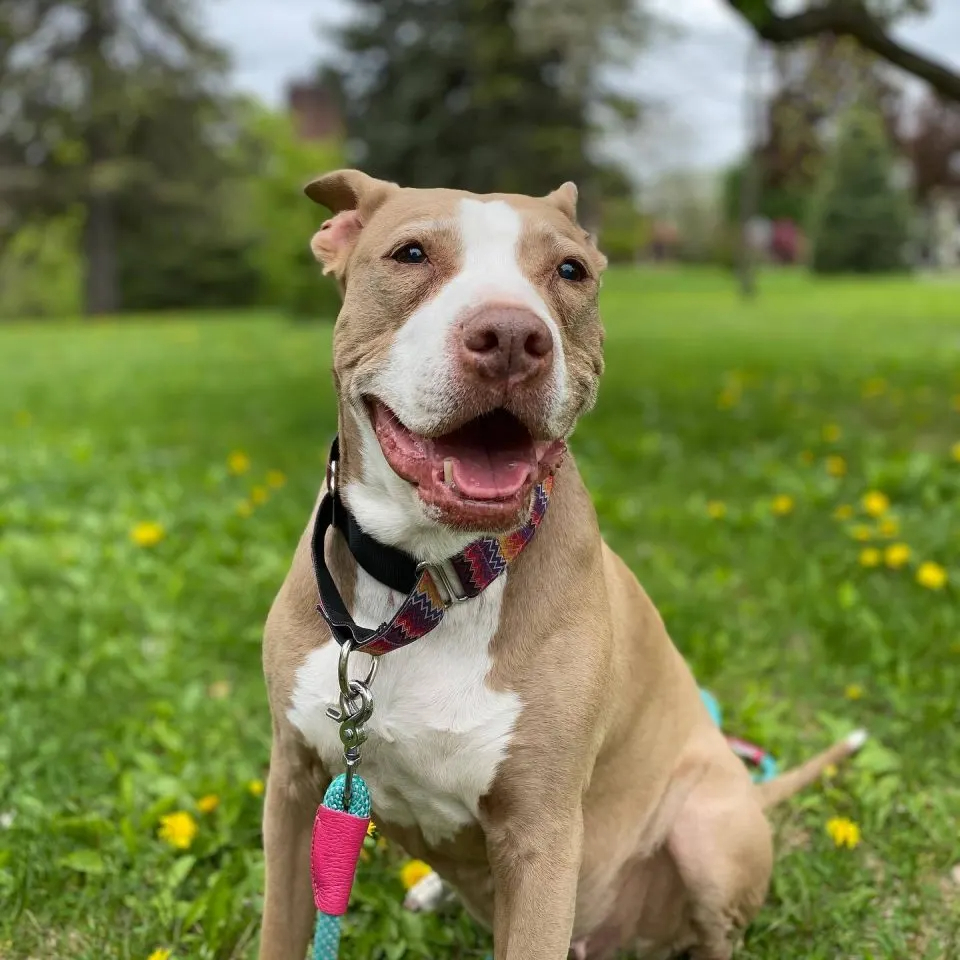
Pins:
x,y
468,344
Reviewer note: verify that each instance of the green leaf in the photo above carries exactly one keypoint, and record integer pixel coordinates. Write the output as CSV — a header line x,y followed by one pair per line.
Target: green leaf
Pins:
x,y
84,861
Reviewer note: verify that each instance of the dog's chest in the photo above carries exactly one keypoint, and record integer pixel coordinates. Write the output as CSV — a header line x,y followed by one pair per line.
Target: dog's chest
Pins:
x,y
438,732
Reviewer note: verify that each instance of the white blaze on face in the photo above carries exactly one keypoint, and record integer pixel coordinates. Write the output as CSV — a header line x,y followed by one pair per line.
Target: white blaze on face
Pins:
x,y
420,382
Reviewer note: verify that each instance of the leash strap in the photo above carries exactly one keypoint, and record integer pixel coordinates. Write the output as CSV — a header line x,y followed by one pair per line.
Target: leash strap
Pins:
x,y
434,587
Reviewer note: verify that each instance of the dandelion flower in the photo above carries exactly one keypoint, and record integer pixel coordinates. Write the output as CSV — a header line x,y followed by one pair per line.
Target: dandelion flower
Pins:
x,y
259,495
147,534
955,451
275,479
843,832
178,829
843,512
208,803
853,691
219,690
876,503
896,555
831,432
255,788
782,504
412,872
716,509
371,828
861,532
836,466
870,557
161,953
931,575
889,527
238,462
830,771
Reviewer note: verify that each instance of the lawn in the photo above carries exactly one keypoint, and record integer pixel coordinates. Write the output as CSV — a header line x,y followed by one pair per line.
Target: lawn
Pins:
x,y
155,476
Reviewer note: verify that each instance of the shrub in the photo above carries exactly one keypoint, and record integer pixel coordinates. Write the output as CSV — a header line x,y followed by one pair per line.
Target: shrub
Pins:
x,y
862,218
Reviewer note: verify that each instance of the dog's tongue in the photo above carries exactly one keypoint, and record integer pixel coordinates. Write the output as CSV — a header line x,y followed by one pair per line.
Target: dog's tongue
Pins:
x,y
491,458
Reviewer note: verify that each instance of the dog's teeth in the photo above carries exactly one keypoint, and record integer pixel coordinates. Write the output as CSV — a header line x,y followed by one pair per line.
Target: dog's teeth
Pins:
x,y
448,472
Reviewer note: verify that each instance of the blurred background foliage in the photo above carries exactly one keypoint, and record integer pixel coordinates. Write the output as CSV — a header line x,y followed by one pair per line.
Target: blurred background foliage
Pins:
x,y
133,177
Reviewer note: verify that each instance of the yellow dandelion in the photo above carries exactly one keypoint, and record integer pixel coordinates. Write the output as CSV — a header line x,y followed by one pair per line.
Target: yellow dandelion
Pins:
x,y
931,575
853,691
843,832
782,504
955,451
874,387
836,466
208,803
875,503
147,534
244,508
161,953
843,512
861,532
896,555
830,771
716,509
412,872
889,527
727,398
806,456
178,829
259,495
276,479
219,690
238,462
831,433
255,788
870,557
371,829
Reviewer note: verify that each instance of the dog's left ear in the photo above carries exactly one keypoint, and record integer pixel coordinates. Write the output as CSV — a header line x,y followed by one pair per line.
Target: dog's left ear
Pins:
x,y
352,197
564,198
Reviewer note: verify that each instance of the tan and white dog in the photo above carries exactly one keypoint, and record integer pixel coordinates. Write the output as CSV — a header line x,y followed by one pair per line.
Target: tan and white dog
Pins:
x,y
545,749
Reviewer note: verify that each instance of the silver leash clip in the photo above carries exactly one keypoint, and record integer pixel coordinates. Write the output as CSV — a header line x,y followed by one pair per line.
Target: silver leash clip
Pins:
x,y
355,709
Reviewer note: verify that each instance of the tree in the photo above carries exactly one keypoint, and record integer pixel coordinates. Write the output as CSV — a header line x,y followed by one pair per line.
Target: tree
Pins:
x,y
866,21
109,105
862,220
474,94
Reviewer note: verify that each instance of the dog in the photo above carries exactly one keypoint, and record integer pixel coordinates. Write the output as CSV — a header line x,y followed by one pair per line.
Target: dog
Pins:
x,y
544,746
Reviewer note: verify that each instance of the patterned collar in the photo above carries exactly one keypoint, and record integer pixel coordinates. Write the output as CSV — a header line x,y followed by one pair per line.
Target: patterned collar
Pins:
x,y
430,588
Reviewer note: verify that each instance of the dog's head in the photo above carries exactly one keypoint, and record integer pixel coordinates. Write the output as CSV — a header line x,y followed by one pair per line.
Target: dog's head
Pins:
x,y
468,344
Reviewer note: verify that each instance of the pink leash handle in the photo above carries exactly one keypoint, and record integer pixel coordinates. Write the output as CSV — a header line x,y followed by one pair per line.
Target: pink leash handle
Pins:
x,y
334,854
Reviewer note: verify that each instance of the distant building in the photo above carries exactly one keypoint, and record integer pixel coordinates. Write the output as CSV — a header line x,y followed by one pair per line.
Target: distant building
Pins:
x,y
314,111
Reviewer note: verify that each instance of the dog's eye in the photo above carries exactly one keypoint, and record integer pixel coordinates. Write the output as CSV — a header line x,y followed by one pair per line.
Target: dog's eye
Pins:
x,y
572,270
410,253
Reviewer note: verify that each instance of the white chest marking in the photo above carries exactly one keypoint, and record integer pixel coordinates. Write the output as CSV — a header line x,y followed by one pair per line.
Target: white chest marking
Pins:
x,y
438,732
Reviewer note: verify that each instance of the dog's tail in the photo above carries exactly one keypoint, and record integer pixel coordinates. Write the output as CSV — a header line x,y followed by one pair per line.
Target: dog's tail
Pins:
x,y
793,781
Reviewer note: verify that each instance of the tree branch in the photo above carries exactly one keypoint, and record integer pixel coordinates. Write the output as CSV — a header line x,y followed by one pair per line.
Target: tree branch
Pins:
x,y
848,18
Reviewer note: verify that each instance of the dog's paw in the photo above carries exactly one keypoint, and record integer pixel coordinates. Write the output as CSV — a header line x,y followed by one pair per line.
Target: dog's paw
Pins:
x,y
426,894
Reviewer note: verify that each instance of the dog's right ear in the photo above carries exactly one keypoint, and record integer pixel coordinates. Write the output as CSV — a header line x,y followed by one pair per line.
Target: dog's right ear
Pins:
x,y
352,197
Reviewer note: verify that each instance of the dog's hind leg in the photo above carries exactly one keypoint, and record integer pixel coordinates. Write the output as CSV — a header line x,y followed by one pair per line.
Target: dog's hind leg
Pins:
x,y
722,848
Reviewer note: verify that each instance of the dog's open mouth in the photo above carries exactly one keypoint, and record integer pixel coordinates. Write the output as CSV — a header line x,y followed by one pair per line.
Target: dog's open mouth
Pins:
x,y
479,476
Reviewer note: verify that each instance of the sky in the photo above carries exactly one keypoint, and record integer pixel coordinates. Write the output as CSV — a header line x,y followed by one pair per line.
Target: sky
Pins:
x,y
694,75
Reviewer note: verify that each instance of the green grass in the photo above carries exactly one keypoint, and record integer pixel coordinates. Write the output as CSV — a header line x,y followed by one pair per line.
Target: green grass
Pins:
x,y
130,682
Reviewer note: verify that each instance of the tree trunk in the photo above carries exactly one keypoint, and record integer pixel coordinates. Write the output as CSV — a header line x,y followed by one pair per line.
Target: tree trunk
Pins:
x,y
750,180
102,289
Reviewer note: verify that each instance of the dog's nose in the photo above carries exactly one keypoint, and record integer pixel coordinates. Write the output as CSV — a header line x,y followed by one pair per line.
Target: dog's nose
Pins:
x,y
506,343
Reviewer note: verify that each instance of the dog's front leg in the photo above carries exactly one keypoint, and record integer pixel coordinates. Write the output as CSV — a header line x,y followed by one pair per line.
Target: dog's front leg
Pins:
x,y
535,860
289,810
